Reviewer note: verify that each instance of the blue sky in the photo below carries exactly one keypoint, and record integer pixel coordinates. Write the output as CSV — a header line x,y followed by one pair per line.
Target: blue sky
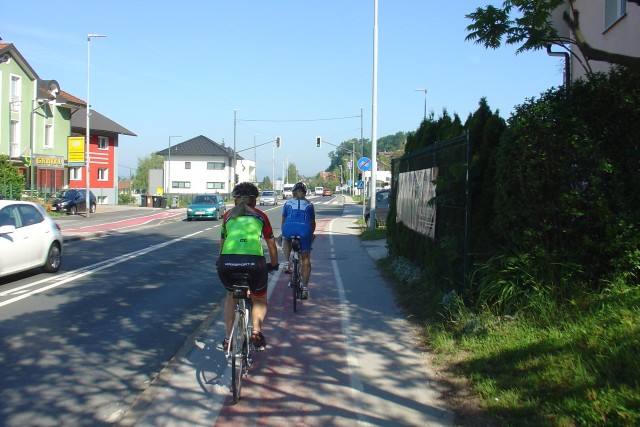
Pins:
x,y
293,68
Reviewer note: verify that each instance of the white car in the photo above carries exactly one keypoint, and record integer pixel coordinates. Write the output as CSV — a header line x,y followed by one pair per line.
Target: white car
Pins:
x,y
29,238
268,198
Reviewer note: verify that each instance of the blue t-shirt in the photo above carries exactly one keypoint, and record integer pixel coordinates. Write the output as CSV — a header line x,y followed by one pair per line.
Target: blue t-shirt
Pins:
x,y
299,211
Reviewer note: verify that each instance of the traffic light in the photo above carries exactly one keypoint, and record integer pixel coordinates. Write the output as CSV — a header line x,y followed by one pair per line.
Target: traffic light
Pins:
x,y
318,141
277,142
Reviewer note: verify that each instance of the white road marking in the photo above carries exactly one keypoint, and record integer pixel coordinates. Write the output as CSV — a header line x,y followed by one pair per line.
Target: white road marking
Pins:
x,y
21,292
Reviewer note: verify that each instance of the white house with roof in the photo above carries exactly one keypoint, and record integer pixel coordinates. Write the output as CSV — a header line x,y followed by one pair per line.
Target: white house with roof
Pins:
x,y
201,165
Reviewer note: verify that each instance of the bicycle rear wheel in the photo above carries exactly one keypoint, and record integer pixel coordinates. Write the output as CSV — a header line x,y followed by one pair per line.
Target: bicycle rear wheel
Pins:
x,y
295,277
238,341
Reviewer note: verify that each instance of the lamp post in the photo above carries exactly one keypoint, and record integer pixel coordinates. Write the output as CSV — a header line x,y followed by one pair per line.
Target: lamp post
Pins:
x,y
169,164
88,140
425,101
235,121
255,159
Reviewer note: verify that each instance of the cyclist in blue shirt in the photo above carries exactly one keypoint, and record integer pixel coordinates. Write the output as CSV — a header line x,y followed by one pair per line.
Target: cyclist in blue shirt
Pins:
x,y
299,219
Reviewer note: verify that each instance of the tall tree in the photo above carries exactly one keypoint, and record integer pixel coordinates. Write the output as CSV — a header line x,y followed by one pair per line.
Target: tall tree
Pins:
x,y
527,23
141,179
292,173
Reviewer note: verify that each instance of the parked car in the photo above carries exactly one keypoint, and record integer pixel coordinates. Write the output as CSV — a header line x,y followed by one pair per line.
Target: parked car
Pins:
x,y
29,238
73,201
268,197
208,206
382,208
326,192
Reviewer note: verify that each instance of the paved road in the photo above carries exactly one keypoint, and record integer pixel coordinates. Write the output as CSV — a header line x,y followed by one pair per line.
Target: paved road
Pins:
x,y
348,358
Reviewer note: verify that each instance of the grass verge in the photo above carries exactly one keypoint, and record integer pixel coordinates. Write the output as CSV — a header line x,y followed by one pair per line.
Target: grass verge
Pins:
x,y
569,364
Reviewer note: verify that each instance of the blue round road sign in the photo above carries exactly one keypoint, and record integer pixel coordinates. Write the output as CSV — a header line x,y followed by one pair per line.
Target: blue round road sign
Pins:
x,y
364,164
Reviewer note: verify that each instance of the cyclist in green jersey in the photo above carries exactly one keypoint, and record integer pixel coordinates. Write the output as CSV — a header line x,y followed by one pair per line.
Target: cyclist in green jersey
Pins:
x,y
242,230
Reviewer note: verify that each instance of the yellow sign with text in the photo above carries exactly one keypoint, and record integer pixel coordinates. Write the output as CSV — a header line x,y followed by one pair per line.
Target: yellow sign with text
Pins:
x,y
75,150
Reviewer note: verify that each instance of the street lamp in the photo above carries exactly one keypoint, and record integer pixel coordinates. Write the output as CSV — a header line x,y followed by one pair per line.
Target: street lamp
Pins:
x,y
169,164
235,121
255,159
425,101
88,140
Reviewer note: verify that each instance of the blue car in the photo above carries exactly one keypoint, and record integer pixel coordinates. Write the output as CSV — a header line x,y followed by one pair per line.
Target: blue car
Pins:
x,y
206,206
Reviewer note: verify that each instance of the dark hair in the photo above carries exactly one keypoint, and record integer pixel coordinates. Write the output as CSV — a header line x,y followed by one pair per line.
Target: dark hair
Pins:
x,y
245,189
300,187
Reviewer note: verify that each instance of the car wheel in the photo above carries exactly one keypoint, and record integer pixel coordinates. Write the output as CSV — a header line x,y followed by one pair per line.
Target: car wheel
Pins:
x,y
188,219
92,208
216,217
73,210
54,259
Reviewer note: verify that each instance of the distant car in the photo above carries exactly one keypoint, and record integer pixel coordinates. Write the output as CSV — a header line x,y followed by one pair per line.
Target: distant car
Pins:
x,y
29,238
318,191
73,201
206,206
382,208
326,192
268,197
286,191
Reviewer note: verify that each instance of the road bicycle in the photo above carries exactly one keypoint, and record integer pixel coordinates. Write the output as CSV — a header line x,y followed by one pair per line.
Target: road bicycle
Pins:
x,y
239,348
296,277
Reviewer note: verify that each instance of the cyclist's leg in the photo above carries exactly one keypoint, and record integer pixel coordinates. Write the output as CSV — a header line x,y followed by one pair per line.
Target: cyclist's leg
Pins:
x,y
229,311
286,247
305,261
224,271
259,302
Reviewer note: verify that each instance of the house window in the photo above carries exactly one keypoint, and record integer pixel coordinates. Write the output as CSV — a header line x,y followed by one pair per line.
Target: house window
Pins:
x,y
215,185
15,93
48,135
215,166
75,173
14,137
103,174
180,184
187,165
614,10
103,142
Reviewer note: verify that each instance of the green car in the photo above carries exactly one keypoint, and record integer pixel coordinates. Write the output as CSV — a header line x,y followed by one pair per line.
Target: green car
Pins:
x,y
206,206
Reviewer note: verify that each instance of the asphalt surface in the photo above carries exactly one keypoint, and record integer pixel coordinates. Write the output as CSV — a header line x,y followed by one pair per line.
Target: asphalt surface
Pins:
x,y
344,384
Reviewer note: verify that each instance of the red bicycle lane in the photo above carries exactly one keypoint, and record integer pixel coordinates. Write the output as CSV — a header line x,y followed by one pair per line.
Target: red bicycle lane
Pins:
x,y
303,378
120,224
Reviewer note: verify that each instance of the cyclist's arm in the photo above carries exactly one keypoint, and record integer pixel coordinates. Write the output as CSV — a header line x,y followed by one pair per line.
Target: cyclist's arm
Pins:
x,y
273,250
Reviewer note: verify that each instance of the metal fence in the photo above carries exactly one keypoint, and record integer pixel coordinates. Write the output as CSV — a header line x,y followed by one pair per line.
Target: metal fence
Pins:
x,y
446,166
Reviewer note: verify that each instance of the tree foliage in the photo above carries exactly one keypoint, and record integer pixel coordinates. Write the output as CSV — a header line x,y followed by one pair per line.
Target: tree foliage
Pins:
x,y
527,23
141,178
12,182
567,178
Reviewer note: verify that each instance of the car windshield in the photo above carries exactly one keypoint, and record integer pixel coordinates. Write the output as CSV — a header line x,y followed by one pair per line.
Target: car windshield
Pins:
x,y
382,197
267,193
69,194
204,200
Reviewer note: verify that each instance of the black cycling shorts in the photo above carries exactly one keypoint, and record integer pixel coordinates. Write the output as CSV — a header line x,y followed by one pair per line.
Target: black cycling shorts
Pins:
x,y
255,265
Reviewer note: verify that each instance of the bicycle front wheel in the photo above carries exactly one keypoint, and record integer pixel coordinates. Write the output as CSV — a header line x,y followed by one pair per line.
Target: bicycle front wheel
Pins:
x,y
238,341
